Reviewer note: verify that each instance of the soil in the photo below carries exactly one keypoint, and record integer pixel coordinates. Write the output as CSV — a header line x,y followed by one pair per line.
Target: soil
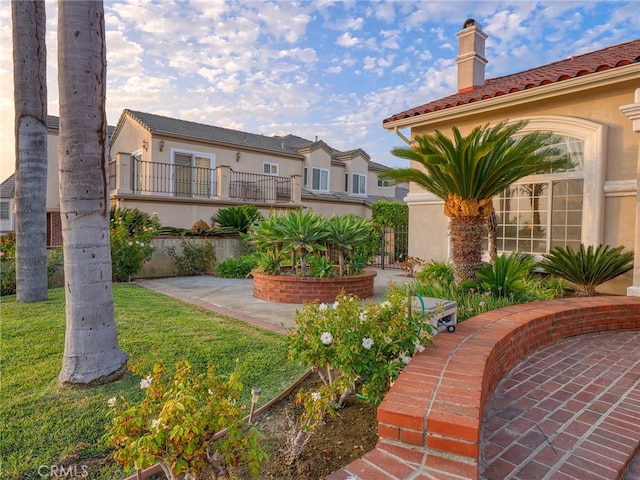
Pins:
x,y
342,438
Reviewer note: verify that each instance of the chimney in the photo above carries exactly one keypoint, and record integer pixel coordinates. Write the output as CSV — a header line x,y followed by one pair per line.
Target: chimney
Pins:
x,y
470,57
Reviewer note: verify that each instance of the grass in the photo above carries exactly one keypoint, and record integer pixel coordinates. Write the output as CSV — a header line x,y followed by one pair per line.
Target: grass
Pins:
x,y
43,424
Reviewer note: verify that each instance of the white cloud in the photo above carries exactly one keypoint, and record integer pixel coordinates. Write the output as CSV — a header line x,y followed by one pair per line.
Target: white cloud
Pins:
x,y
346,40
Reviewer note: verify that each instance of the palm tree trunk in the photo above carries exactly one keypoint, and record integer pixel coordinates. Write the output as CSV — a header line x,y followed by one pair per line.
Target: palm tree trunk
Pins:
x,y
30,94
492,234
91,352
466,239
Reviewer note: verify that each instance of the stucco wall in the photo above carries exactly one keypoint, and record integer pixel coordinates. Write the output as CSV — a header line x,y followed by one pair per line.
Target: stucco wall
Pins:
x,y
428,225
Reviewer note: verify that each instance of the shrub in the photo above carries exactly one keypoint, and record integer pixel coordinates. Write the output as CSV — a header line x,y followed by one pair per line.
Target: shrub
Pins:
x,y
236,267
237,219
506,275
435,271
588,267
390,214
409,265
131,232
194,258
177,424
8,264
367,342
200,227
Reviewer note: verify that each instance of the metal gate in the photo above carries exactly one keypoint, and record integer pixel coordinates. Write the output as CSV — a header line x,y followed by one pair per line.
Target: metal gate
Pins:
x,y
394,247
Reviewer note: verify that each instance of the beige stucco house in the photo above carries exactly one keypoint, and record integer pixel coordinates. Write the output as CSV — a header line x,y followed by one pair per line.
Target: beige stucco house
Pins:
x,y
186,171
592,103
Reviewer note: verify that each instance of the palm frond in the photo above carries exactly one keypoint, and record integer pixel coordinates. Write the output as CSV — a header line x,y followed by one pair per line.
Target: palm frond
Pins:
x,y
588,267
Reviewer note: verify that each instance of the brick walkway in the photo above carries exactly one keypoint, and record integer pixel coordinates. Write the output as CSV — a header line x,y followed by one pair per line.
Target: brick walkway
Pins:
x,y
571,411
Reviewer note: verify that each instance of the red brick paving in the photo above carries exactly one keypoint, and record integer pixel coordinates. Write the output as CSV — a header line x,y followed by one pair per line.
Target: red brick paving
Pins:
x,y
583,426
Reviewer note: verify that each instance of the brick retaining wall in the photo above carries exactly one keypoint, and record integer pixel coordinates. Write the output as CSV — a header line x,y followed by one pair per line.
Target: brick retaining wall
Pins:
x,y
431,418
291,289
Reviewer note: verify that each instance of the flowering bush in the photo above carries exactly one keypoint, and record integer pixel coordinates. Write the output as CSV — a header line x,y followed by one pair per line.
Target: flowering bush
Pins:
x,y
359,347
131,233
179,424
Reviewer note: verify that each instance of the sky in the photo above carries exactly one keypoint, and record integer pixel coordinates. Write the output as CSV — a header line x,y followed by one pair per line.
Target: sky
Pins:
x,y
331,69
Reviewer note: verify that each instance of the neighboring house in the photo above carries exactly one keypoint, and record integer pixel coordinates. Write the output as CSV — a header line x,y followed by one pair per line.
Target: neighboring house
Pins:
x,y
7,189
7,217
186,171
592,103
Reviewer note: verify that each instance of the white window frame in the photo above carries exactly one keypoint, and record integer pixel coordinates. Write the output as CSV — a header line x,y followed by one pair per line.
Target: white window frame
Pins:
x,y
193,154
362,183
321,171
5,205
594,136
271,169
384,183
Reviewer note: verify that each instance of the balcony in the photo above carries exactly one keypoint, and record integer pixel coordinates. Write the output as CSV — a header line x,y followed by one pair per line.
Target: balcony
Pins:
x,y
132,176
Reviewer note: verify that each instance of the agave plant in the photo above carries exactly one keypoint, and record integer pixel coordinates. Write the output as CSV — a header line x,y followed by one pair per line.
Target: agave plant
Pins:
x,y
345,233
507,274
588,267
302,233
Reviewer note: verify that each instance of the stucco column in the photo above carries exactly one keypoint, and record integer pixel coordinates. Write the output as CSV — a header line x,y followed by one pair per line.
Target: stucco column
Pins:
x,y
296,188
633,112
223,174
123,173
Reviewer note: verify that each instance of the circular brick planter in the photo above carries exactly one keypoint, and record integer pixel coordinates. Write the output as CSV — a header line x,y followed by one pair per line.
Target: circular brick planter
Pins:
x,y
289,289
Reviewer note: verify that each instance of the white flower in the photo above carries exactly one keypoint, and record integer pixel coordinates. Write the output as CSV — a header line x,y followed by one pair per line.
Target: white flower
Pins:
x,y
363,316
419,347
405,359
146,382
156,423
481,304
316,396
386,304
137,242
112,402
387,339
142,244
335,304
367,343
323,307
210,391
130,243
326,338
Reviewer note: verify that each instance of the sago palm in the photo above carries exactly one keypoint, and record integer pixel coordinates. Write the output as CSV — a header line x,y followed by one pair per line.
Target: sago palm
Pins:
x,y
588,267
467,171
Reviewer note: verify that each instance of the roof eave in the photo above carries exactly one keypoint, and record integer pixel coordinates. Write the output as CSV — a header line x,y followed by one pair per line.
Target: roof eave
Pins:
x,y
576,84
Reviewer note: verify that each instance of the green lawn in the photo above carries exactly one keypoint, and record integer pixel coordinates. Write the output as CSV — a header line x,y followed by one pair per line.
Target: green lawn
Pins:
x,y
42,424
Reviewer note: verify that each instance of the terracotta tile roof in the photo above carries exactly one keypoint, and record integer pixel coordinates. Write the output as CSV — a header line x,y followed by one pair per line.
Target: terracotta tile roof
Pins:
x,y
580,65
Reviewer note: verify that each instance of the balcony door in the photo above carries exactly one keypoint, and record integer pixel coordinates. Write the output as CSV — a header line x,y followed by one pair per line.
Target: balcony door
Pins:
x,y
193,175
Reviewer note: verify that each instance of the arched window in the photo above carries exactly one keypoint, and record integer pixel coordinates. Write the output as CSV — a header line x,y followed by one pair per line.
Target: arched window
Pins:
x,y
562,207
546,210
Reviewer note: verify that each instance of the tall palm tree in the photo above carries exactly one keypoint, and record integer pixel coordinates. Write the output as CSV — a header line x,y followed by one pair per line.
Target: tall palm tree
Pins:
x,y
467,171
30,80
91,351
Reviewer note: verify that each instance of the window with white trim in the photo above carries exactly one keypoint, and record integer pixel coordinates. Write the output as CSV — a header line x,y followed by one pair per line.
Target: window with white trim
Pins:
x,y
4,211
193,175
358,184
544,211
304,177
270,168
320,179
384,183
